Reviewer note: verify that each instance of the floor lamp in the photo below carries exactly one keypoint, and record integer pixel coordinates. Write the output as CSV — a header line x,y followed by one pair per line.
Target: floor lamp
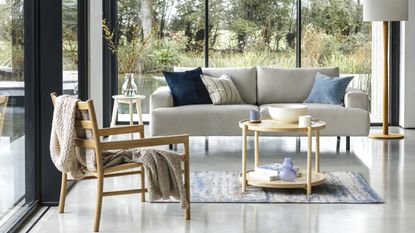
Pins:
x,y
385,11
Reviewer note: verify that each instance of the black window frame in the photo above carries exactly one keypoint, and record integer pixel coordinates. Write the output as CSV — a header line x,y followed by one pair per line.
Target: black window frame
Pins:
x,y
43,75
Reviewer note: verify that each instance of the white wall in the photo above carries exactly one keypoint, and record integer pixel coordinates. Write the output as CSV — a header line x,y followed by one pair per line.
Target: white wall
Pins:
x,y
407,71
377,72
95,56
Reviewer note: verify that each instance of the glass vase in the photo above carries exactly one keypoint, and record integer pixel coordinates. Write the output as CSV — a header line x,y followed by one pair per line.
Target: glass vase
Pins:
x,y
129,88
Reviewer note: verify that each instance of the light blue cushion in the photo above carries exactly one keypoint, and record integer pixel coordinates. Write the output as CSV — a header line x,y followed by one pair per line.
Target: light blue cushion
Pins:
x,y
328,90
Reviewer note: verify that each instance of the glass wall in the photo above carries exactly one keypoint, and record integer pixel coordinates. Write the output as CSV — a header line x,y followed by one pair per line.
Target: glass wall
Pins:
x,y
333,34
12,111
249,33
154,36
240,33
70,46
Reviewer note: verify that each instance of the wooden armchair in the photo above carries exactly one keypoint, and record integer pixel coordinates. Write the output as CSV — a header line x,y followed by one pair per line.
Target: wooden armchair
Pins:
x,y
99,146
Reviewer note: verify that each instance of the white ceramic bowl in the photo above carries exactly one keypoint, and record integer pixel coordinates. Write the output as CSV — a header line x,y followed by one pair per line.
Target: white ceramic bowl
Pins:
x,y
287,113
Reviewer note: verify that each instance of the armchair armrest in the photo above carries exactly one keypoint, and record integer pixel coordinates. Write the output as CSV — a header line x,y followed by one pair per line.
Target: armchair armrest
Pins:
x,y
146,142
161,98
122,130
355,98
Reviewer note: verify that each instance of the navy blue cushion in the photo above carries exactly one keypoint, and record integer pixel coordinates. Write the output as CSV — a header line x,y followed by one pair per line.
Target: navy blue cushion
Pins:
x,y
187,87
328,90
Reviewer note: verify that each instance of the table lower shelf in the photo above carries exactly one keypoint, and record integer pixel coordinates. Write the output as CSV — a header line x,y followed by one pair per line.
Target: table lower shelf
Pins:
x,y
300,182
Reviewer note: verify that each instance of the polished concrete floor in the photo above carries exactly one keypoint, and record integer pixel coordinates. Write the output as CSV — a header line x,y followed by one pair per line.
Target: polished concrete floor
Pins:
x,y
387,165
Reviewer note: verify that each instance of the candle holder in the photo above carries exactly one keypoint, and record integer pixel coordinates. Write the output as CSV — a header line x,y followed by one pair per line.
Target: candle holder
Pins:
x,y
254,116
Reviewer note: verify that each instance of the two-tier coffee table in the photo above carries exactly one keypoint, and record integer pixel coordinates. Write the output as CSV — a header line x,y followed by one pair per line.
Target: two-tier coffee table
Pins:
x,y
310,179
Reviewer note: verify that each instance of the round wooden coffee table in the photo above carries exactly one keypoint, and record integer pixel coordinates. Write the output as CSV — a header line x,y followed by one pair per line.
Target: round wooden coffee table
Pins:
x,y
310,179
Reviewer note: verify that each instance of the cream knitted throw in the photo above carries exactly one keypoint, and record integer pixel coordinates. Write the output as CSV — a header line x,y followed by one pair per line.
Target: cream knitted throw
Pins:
x,y
62,147
162,168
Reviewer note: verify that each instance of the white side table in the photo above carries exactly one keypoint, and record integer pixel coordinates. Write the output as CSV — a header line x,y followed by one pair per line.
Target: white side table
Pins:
x,y
130,100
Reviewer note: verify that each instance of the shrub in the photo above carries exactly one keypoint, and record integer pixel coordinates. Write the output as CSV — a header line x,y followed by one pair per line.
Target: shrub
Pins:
x,y
163,54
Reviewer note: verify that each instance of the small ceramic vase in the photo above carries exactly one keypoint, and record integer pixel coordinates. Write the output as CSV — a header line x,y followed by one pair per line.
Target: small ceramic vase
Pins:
x,y
129,88
287,172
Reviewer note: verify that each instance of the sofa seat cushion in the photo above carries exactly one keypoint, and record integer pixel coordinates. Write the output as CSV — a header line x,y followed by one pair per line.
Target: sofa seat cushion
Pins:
x,y
288,85
244,79
200,120
340,121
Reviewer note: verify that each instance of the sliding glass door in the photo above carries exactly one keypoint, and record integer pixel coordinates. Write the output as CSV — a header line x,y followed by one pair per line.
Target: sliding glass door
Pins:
x,y
12,111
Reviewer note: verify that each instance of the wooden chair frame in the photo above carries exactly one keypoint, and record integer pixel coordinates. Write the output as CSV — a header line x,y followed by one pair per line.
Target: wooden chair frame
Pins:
x,y
122,169
3,107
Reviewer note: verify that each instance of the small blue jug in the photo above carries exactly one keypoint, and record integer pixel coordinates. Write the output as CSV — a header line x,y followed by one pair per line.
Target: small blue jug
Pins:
x,y
287,172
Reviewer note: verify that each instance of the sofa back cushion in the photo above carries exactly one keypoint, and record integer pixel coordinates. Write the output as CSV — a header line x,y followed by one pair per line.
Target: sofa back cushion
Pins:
x,y
244,78
288,85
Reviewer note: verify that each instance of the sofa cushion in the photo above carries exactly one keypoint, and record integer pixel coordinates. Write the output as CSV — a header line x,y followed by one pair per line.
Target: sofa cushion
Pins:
x,y
200,120
222,90
328,90
340,121
187,87
288,85
244,79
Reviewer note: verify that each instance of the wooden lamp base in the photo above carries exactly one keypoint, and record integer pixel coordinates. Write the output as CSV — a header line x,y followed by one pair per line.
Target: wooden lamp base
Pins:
x,y
386,136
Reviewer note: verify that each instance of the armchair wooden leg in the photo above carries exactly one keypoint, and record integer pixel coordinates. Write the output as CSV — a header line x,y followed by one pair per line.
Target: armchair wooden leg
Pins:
x,y
62,197
100,189
143,185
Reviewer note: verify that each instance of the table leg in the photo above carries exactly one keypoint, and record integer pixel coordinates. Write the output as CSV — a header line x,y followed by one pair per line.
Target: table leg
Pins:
x,y
309,159
130,108
114,116
317,150
139,112
114,113
256,148
244,158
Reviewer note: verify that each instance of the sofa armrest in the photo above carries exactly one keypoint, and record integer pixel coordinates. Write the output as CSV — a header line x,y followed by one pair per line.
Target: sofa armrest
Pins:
x,y
356,98
161,98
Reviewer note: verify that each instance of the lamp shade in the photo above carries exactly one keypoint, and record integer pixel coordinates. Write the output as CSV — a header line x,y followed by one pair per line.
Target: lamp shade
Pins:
x,y
385,10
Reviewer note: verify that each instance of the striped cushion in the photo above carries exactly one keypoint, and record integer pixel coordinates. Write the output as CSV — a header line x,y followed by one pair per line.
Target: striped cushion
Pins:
x,y
222,90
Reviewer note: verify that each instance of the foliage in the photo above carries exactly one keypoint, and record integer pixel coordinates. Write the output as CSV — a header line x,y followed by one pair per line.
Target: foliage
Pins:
x,y
128,50
320,49
11,38
165,53
268,20
70,34
252,32
69,49
252,58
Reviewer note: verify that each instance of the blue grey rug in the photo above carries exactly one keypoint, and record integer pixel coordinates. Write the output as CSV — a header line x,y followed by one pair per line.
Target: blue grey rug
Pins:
x,y
224,187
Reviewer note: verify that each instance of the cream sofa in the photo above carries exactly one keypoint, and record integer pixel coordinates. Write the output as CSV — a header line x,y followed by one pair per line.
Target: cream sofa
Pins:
x,y
259,87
